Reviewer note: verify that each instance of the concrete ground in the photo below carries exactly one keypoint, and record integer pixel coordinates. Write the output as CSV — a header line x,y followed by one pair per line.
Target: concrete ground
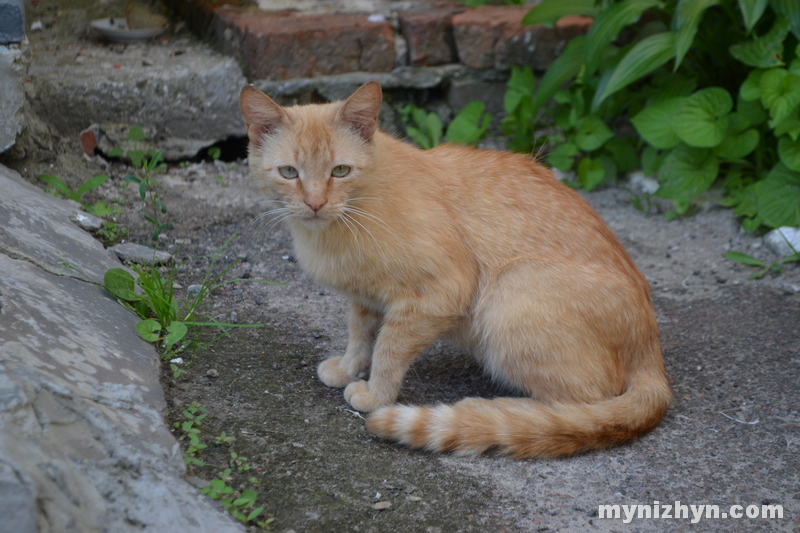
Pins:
x,y
87,409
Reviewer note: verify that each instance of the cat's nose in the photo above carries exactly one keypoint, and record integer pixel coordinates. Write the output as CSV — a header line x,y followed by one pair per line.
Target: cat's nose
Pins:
x,y
315,204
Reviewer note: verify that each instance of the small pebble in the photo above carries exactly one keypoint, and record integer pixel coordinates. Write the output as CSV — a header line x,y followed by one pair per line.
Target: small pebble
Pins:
x,y
212,373
194,290
177,360
234,318
380,506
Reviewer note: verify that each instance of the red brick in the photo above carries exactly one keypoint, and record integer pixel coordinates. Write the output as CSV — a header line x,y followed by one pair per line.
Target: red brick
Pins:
x,y
493,36
287,45
430,36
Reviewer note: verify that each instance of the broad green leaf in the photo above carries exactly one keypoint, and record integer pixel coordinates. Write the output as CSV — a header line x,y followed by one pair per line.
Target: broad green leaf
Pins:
x,y
753,111
560,72
57,184
738,145
591,133
765,51
608,25
420,138
149,330
563,157
120,283
702,119
433,127
747,200
686,172
780,94
590,173
654,123
520,86
790,127
115,152
175,332
549,11
93,183
136,157
791,10
752,11
687,17
789,152
651,160
470,125
136,133
751,87
646,56
779,201
745,259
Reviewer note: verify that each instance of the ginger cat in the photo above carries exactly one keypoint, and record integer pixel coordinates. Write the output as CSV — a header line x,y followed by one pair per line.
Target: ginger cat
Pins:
x,y
480,247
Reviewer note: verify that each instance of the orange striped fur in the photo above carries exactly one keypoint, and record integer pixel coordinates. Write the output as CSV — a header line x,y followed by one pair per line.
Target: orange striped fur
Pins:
x,y
483,248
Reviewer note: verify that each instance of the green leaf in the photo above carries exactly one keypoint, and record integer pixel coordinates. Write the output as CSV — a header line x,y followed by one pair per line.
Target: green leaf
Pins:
x,y
520,87
136,157
765,51
470,125
654,123
175,332
752,11
651,160
789,153
115,152
590,173
608,25
751,87
687,17
149,329
136,133
745,259
790,127
563,157
791,10
702,119
93,183
254,513
57,184
646,56
433,128
779,201
591,133
780,94
549,11
753,111
738,145
560,72
120,283
686,172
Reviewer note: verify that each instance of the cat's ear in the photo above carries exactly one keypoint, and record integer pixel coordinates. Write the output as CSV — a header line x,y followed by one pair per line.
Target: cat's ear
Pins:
x,y
261,114
360,112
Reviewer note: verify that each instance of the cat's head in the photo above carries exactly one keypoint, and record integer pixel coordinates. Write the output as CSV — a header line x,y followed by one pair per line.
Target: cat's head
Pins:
x,y
311,160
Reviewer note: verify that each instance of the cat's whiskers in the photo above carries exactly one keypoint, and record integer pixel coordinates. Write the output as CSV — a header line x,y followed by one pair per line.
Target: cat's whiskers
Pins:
x,y
366,214
346,214
278,215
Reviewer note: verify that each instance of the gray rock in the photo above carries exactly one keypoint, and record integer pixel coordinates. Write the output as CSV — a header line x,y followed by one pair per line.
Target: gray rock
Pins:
x,y
136,253
12,21
86,221
779,240
185,101
83,445
14,59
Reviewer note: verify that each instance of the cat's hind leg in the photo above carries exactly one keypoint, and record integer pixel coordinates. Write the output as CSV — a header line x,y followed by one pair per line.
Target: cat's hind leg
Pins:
x,y
340,370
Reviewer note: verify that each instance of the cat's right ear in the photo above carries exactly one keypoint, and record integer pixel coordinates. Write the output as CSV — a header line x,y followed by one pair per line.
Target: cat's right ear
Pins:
x,y
261,114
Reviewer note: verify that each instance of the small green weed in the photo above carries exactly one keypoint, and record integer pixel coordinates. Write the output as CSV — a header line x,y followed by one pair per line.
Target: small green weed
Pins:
x,y
60,189
426,129
194,415
776,266
222,438
218,489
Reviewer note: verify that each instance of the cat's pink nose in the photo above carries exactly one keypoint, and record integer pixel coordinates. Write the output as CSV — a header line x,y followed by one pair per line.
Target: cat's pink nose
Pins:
x,y
315,205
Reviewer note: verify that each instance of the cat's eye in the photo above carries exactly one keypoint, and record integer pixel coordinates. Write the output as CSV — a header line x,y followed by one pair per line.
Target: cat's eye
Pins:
x,y
289,173
340,171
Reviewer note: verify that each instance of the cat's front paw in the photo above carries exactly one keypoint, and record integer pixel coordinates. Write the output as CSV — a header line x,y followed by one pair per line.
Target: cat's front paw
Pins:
x,y
358,395
332,374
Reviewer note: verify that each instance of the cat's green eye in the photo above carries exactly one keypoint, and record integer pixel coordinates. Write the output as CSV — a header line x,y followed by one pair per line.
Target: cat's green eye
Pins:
x,y
340,171
289,173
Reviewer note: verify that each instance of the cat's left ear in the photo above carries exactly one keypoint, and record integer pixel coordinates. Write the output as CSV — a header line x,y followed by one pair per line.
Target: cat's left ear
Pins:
x,y
360,111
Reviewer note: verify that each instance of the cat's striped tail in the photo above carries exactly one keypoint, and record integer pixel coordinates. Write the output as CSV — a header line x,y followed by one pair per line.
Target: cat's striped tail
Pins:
x,y
523,427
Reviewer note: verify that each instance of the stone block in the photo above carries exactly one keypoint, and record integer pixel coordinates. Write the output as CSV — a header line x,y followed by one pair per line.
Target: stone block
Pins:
x,y
430,36
462,92
494,37
14,60
12,21
279,46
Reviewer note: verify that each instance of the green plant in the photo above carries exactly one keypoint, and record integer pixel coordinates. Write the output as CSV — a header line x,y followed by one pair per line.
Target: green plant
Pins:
x,y
152,298
469,126
176,370
214,152
60,189
111,233
149,193
218,489
239,462
222,438
776,266
194,415
711,88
